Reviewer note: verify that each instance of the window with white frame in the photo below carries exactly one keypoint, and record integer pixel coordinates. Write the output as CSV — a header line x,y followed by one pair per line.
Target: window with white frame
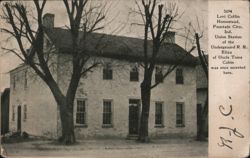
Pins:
x,y
180,114
107,113
81,112
159,114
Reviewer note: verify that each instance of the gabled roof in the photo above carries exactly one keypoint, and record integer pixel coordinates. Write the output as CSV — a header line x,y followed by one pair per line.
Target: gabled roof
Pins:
x,y
20,66
119,47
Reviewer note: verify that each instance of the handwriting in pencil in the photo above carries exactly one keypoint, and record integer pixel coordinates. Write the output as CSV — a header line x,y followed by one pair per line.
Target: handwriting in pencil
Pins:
x,y
227,112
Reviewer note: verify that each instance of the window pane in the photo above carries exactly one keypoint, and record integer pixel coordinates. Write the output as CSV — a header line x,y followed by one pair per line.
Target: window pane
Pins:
x,y
179,76
134,101
80,113
158,114
179,72
107,112
158,75
107,72
179,114
134,74
106,106
106,118
110,74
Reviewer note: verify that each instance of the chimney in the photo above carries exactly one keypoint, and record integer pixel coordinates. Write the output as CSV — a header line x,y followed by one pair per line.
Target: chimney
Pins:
x,y
170,38
48,20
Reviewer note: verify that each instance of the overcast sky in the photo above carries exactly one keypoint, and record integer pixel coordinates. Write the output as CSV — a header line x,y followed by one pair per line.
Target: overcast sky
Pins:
x,y
119,22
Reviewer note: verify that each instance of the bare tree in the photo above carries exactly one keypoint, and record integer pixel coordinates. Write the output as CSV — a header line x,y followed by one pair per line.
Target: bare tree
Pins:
x,y
84,19
204,112
157,22
194,34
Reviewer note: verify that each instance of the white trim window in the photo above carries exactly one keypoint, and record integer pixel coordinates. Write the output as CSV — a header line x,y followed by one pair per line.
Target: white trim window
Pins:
x,y
107,113
81,112
159,114
180,121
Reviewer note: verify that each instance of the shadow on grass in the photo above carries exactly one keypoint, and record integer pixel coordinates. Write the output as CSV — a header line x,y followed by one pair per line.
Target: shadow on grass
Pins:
x,y
18,137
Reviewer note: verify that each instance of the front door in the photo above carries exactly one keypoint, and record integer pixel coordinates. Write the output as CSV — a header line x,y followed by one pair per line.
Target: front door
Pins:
x,y
19,112
133,116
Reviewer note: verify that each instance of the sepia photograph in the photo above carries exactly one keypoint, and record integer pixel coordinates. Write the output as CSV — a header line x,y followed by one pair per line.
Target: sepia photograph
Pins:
x,y
104,78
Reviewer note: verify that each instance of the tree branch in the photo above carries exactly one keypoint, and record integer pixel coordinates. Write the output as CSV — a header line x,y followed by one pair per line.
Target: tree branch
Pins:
x,y
171,68
201,57
83,73
14,52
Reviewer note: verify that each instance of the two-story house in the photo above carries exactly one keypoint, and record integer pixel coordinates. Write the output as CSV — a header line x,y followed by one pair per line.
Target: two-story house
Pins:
x,y
107,101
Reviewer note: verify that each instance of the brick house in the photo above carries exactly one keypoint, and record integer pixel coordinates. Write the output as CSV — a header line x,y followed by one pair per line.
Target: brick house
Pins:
x,y
107,102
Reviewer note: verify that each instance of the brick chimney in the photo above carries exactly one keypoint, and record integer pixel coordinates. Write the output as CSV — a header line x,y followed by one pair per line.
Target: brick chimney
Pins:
x,y
170,38
48,20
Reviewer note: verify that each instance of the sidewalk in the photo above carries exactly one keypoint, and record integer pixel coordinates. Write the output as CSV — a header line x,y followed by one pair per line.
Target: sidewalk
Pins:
x,y
117,148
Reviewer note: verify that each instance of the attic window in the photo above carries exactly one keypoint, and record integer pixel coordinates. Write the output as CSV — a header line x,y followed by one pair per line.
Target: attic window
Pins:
x,y
107,72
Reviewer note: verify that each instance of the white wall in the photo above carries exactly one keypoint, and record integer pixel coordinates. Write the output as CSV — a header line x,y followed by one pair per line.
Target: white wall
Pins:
x,y
120,90
41,106
43,119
